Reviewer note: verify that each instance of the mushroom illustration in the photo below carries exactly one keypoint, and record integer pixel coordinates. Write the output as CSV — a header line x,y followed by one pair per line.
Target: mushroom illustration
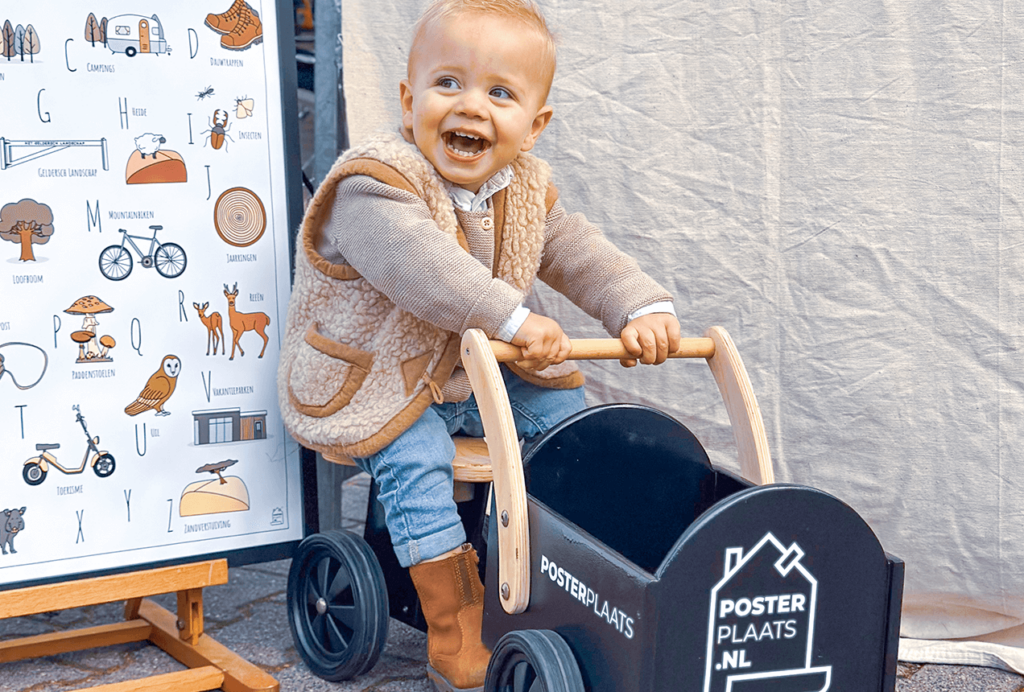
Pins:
x,y
107,342
82,337
89,349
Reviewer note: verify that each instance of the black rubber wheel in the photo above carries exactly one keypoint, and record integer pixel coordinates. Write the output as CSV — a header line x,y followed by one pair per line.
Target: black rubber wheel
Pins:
x,y
115,263
104,466
170,260
33,474
533,661
337,605
130,51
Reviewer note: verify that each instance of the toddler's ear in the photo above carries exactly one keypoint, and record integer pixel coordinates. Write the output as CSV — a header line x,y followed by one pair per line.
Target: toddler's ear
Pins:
x,y
540,121
405,96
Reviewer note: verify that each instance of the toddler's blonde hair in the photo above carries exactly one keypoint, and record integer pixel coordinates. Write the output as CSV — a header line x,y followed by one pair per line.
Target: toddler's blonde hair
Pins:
x,y
524,11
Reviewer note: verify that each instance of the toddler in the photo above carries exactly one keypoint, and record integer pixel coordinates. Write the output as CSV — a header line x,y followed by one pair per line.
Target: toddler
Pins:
x,y
418,235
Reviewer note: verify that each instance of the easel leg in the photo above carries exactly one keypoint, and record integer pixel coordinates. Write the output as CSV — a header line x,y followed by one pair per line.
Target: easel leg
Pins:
x,y
190,615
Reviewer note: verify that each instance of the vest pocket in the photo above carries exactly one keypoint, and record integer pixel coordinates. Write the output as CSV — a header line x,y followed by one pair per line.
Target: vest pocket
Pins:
x,y
325,374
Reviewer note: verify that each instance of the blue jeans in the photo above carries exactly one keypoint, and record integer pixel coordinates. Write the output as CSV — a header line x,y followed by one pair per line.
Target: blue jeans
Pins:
x,y
414,472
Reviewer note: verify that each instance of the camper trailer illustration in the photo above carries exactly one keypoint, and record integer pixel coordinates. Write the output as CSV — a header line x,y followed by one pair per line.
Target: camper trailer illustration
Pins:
x,y
134,33
761,622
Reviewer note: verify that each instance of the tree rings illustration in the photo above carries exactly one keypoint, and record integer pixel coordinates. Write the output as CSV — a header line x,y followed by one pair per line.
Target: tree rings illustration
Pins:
x,y
239,217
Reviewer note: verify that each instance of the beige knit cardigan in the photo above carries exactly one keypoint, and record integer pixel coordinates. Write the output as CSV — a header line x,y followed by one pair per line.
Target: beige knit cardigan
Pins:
x,y
356,371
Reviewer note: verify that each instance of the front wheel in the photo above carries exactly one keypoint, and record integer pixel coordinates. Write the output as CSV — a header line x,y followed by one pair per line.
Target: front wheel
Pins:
x,y
337,605
104,465
115,263
33,474
532,660
170,260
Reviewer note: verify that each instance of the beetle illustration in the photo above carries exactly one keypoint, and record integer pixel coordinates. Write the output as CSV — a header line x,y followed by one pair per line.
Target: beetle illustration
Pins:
x,y
218,129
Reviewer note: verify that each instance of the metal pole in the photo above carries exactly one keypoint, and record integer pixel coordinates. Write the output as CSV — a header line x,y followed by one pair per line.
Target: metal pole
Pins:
x,y
330,136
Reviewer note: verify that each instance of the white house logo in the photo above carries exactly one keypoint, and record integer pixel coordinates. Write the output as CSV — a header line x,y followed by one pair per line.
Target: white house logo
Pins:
x,y
761,622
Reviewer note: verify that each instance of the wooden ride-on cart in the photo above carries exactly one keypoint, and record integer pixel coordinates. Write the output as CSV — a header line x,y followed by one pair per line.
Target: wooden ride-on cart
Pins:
x,y
618,559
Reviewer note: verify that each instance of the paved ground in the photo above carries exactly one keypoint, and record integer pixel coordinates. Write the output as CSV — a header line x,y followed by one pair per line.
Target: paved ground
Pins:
x,y
248,616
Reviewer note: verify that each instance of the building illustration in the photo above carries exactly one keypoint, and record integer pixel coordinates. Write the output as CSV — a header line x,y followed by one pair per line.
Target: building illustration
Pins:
x,y
761,622
213,426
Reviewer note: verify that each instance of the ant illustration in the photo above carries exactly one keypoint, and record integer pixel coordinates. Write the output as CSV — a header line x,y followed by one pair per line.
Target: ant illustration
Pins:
x,y
218,129
208,91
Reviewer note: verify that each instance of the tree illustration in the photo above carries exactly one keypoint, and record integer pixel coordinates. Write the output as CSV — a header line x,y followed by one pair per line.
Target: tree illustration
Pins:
x,y
103,30
19,41
26,222
8,40
93,32
31,45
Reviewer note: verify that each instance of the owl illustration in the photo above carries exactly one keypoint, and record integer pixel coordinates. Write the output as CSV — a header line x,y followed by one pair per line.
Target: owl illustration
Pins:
x,y
158,389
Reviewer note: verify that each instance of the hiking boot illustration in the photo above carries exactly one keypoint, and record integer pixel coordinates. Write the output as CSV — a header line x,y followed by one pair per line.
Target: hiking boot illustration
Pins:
x,y
247,31
226,22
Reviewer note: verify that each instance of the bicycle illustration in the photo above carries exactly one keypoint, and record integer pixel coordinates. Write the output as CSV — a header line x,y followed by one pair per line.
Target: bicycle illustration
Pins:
x,y
168,258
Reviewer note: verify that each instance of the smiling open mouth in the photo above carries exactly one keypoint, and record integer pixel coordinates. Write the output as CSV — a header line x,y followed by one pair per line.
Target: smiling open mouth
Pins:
x,y
466,145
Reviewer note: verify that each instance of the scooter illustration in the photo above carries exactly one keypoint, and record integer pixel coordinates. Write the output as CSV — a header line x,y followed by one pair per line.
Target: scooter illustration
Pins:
x,y
36,468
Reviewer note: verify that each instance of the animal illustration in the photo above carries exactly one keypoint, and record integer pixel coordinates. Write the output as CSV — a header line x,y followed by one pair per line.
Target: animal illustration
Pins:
x,y
242,322
208,91
11,525
158,389
218,129
214,324
149,144
243,107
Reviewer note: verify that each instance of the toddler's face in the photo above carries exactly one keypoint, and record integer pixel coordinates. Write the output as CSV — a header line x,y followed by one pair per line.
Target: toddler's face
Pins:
x,y
475,96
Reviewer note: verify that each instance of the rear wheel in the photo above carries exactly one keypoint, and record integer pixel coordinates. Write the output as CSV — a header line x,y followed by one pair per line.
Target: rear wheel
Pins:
x,y
115,263
337,605
33,474
533,661
170,260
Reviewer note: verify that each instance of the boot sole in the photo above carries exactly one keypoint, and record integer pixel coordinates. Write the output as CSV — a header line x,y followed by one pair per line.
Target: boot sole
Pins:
x,y
255,41
442,684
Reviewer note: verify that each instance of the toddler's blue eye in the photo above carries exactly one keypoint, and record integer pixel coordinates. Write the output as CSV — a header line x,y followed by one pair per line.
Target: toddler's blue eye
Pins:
x,y
447,83
501,93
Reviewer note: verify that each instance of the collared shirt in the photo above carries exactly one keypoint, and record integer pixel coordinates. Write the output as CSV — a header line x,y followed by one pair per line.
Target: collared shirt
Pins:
x,y
467,200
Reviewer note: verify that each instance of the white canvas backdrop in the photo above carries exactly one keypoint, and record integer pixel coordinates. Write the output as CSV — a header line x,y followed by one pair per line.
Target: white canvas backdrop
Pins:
x,y
838,184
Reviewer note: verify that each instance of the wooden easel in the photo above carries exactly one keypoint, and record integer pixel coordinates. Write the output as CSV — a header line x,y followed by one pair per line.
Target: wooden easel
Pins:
x,y
211,665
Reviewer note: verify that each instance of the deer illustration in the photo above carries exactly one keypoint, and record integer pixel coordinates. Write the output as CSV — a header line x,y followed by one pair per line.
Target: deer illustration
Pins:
x,y
242,322
214,328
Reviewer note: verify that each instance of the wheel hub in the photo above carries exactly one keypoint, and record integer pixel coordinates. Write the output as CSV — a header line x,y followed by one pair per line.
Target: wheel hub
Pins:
x,y
321,606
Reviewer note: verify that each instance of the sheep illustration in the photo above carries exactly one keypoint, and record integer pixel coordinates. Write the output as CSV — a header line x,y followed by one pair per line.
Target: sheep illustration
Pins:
x,y
149,144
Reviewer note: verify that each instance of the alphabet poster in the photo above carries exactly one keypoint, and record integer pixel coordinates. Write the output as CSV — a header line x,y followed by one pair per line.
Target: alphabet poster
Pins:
x,y
144,267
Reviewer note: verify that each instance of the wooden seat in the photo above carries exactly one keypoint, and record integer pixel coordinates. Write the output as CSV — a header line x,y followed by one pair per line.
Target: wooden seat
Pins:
x,y
472,463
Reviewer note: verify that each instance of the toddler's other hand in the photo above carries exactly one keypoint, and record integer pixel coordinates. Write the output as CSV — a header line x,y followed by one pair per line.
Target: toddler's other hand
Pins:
x,y
650,338
543,342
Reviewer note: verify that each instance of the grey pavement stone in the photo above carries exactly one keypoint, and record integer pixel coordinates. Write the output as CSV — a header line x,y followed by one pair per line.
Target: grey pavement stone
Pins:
x,y
935,678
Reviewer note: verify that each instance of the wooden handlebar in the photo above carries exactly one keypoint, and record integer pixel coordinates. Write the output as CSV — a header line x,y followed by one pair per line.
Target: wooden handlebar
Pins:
x,y
480,357
607,349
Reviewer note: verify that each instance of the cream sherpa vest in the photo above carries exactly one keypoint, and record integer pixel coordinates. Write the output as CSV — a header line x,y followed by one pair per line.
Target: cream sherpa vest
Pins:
x,y
356,371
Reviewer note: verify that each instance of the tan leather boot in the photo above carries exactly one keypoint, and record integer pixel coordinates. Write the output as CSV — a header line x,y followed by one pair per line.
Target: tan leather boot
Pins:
x,y
225,22
248,30
452,599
